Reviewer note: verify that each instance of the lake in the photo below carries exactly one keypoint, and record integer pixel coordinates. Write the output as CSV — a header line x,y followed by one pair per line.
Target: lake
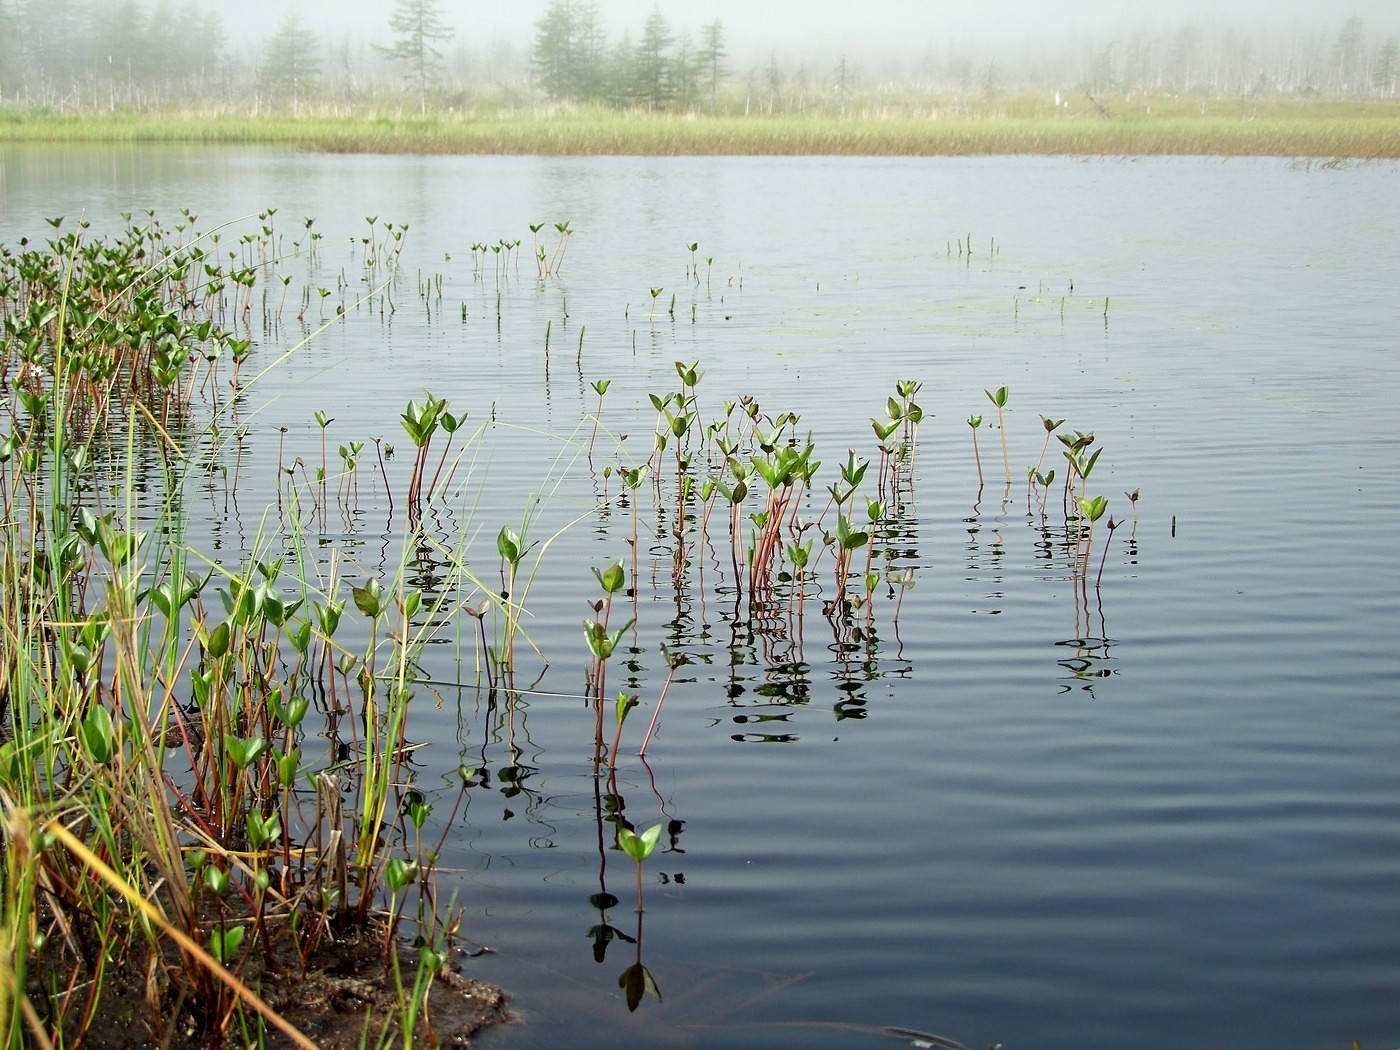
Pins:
x,y
1006,799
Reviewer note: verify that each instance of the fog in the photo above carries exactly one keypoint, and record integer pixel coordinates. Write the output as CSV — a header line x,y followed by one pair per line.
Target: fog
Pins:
x,y
1026,42
788,54
796,27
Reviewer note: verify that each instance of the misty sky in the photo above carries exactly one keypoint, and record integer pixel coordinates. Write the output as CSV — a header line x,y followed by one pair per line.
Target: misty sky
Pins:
x,y
793,26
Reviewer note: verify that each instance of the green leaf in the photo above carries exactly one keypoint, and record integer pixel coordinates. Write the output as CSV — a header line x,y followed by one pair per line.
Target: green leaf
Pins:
x,y
508,543
624,706
883,430
369,599
301,637
98,736
398,873
216,880
291,714
224,942
329,616
243,752
1092,508
1087,468
287,767
596,636
612,579
849,539
600,643
10,766
275,609
639,847
679,424
263,832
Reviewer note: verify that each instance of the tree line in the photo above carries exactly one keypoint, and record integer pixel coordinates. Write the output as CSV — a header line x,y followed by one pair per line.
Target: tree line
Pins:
x,y
572,60
126,54
152,54
109,53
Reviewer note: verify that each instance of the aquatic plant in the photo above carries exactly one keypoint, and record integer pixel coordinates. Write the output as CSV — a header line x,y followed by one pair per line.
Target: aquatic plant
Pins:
x,y
974,422
551,267
261,711
512,549
155,756
611,580
639,848
910,415
1081,465
421,421
1103,558
1050,425
1091,510
999,398
883,431
783,471
673,662
600,387
636,981
602,643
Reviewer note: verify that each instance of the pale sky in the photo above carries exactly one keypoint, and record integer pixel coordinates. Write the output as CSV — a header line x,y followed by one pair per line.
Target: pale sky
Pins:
x,y
792,26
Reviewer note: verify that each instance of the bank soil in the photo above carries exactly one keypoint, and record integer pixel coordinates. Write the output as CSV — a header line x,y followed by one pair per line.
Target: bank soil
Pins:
x,y
344,1000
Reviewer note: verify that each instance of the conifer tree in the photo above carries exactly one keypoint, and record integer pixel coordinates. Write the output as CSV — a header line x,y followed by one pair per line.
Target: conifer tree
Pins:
x,y
291,68
418,26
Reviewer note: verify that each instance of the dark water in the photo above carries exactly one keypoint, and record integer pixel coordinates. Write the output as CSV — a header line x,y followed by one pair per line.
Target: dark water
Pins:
x,y
1161,812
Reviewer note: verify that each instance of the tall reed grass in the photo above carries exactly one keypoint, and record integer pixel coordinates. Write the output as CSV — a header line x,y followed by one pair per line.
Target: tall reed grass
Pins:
x,y
1141,125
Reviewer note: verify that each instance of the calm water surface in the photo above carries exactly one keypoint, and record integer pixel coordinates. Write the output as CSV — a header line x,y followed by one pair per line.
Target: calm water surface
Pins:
x,y
1160,814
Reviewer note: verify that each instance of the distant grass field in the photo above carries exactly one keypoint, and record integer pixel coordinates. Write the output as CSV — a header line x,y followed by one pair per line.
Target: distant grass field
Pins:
x,y
1024,124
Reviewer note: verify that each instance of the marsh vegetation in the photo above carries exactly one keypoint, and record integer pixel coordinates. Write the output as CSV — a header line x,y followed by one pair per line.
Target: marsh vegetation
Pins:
x,y
935,127
632,600
415,83
208,780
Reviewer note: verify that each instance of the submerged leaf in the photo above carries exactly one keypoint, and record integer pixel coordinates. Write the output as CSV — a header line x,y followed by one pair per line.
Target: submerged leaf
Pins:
x,y
636,981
